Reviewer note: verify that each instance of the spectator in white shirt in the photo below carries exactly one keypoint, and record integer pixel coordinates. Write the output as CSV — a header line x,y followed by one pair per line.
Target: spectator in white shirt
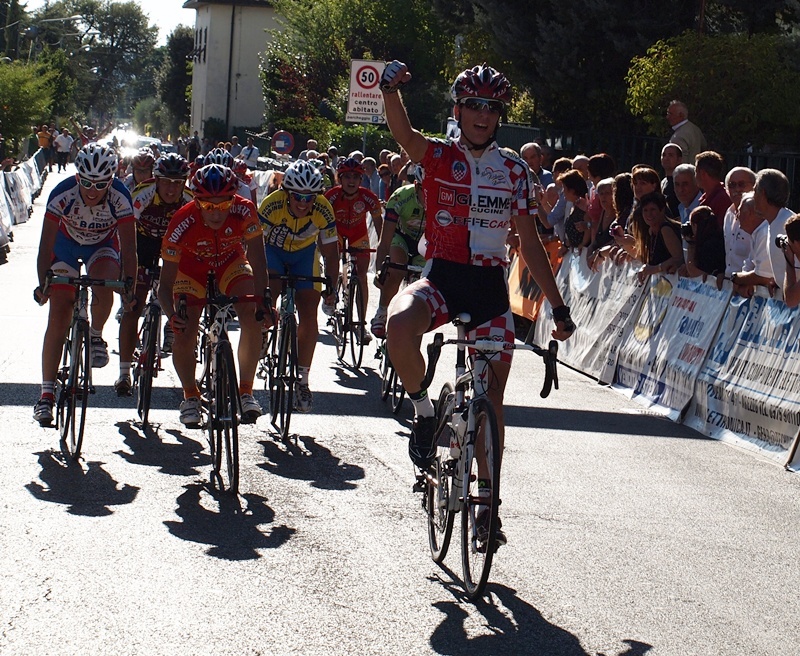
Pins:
x,y
739,181
250,154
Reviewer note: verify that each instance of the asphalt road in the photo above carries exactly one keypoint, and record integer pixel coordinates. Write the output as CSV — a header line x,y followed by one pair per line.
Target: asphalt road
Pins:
x,y
627,534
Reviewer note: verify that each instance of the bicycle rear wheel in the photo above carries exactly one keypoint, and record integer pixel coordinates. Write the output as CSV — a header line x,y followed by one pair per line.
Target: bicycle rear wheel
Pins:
x,y
386,371
340,320
479,513
226,419
398,392
355,313
439,504
147,365
285,378
74,396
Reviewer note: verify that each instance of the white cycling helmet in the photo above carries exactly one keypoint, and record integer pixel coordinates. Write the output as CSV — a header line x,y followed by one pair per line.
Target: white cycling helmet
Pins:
x,y
303,178
96,162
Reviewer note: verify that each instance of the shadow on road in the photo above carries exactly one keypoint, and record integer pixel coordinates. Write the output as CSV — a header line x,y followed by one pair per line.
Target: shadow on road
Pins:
x,y
88,491
146,448
309,461
232,529
515,626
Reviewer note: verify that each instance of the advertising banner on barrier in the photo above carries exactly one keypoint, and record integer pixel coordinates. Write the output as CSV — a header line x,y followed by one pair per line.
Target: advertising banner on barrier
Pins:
x,y
748,391
525,296
600,304
19,208
666,343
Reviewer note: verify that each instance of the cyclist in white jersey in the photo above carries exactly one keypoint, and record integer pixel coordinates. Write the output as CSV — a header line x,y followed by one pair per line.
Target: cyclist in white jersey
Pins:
x,y
476,194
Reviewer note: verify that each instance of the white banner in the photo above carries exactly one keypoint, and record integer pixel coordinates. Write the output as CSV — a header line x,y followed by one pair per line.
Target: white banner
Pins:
x,y
365,101
600,304
748,391
666,344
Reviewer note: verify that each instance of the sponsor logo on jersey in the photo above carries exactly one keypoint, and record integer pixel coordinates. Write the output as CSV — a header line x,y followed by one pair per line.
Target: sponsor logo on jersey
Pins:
x,y
228,231
359,207
494,177
459,171
182,227
447,196
444,218
437,152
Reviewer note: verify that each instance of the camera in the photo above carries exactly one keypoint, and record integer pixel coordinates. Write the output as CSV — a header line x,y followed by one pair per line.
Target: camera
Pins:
x,y
782,241
687,230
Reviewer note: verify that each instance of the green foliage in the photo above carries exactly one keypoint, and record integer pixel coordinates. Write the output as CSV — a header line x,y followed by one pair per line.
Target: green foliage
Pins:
x,y
26,96
56,64
747,92
523,108
175,76
350,138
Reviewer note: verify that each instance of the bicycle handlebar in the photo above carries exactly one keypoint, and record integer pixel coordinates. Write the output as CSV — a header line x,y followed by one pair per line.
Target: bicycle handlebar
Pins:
x,y
487,345
387,264
80,281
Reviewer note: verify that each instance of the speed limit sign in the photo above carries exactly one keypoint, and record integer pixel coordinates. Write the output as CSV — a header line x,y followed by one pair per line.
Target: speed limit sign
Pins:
x,y
365,102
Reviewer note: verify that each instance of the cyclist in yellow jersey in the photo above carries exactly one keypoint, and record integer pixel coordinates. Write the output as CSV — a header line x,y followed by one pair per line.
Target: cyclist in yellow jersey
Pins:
x,y
296,218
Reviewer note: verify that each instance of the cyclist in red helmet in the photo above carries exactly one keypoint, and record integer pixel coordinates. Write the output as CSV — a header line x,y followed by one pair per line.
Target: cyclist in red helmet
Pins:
x,y
140,170
351,203
219,230
476,194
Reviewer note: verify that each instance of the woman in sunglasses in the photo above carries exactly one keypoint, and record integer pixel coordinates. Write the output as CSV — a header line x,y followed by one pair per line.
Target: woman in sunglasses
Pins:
x,y
154,204
218,231
475,195
297,219
89,218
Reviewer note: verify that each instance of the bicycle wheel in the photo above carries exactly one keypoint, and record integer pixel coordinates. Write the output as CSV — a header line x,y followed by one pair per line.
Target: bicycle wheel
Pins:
x,y
387,370
72,407
286,378
479,514
340,320
354,322
439,506
147,366
226,419
398,392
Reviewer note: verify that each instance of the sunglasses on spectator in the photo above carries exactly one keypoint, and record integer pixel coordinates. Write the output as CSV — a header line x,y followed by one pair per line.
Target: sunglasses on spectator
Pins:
x,y
303,198
479,104
88,184
208,206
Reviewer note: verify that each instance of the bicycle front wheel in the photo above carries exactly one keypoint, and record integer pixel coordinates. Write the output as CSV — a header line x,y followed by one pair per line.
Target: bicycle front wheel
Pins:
x,y
285,378
340,320
355,315
481,499
147,366
439,504
398,392
226,419
386,371
74,396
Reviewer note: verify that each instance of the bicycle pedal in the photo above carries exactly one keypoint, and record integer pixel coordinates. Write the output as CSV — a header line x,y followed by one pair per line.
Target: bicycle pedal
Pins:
x,y
419,484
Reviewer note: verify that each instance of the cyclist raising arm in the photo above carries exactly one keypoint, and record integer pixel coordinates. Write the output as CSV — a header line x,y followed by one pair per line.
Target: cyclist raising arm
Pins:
x,y
154,204
475,194
219,231
295,218
88,217
351,203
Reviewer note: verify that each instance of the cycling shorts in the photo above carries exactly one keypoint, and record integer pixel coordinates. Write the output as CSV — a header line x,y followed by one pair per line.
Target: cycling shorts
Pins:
x,y
362,259
193,274
410,247
452,288
67,252
304,262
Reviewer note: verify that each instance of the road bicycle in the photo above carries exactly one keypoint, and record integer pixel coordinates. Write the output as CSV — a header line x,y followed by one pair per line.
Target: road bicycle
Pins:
x,y
73,383
218,384
278,367
467,426
391,385
147,355
348,322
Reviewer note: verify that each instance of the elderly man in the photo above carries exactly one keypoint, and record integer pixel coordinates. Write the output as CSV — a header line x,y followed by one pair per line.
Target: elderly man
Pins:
x,y
754,267
686,190
531,152
739,181
685,133
771,193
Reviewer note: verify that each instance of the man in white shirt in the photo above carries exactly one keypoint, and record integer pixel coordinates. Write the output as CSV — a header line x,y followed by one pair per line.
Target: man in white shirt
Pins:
x,y
739,181
63,144
771,193
250,154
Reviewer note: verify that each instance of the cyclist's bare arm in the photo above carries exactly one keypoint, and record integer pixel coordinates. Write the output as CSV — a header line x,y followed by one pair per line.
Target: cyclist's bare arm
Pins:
x,y
385,243
257,258
46,243
127,249
377,220
412,140
330,256
538,263
169,271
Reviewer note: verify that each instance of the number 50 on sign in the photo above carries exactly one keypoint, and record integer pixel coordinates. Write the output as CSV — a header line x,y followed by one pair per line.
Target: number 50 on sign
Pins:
x,y
365,102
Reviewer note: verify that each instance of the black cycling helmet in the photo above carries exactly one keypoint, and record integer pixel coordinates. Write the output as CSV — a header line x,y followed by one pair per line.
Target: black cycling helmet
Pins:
x,y
171,165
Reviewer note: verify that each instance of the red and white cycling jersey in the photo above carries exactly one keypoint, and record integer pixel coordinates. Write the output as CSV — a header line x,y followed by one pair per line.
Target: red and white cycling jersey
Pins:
x,y
469,203
88,225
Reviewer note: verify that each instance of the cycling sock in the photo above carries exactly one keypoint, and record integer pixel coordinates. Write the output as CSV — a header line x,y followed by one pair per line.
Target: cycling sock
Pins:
x,y
246,388
189,392
95,333
423,407
302,375
49,389
124,368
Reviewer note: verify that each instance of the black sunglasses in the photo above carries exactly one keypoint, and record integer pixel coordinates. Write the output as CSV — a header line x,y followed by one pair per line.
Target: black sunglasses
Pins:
x,y
479,104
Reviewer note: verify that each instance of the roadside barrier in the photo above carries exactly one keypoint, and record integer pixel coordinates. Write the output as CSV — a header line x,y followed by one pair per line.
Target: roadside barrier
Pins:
x,y
727,366
19,189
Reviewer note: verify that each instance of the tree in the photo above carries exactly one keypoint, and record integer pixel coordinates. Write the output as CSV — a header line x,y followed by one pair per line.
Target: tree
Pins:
x,y
26,96
747,93
175,77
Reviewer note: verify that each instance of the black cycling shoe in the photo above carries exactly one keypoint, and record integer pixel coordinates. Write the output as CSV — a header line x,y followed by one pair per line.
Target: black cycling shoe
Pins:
x,y
421,444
